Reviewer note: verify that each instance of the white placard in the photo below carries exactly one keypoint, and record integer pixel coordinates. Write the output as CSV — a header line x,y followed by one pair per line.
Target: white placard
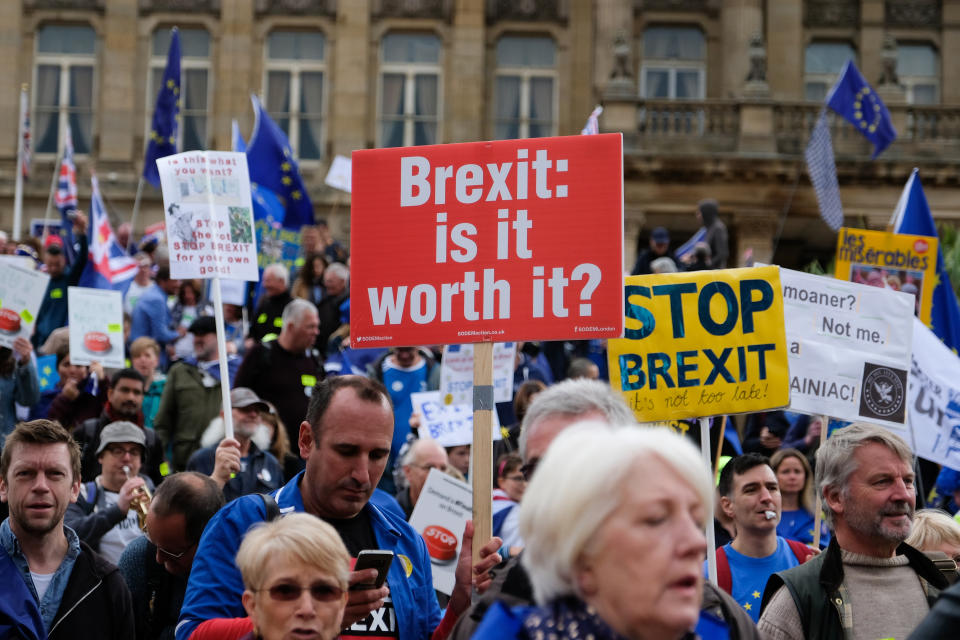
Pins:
x,y
450,425
340,175
233,291
933,399
96,326
21,294
440,515
849,348
209,215
456,373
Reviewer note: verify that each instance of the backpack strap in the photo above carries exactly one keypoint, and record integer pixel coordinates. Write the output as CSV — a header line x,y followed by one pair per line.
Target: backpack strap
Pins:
x,y
273,509
724,577
802,551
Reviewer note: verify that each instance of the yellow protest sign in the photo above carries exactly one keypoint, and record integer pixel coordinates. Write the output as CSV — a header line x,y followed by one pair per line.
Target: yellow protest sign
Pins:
x,y
701,344
890,260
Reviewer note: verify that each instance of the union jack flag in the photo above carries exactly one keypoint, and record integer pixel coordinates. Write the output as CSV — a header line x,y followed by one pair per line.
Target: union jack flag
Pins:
x,y
108,265
25,127
66,195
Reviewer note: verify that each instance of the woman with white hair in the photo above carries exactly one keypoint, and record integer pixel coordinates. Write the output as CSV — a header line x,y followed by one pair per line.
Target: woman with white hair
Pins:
x,y
295,571
613,522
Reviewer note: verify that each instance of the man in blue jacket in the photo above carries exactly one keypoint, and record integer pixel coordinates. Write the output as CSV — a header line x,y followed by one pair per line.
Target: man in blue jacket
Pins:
x,y
151,316
345,441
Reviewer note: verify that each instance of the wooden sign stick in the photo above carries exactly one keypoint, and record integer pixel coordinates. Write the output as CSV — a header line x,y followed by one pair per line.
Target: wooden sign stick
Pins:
x,y
482,450
824,427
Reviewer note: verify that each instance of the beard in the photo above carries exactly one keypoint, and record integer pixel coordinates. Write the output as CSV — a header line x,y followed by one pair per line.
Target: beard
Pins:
x,y
35,526
873,525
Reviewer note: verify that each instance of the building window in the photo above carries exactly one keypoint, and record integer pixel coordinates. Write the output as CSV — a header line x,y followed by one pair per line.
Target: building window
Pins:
x,y
294,88
64,86
409,89
526,88
823,62
918,69
674,63
194,83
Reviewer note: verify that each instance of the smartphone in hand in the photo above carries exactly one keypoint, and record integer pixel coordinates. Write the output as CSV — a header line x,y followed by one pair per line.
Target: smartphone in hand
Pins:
x,y
378,559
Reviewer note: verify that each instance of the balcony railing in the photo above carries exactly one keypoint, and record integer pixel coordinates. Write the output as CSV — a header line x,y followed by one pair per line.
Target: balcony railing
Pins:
x,y
718,127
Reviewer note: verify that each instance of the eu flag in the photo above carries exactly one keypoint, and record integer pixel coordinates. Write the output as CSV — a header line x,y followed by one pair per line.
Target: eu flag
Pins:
x,y
858,103
272,167
912,216
163,129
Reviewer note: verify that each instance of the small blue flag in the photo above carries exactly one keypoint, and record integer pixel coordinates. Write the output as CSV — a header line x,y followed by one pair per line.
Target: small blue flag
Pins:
x,y
858,103
163,129
47,371
912,216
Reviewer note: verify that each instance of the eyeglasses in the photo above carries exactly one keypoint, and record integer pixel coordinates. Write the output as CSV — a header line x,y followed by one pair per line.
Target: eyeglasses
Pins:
x,y
119,451
319,591
172,556
528,469
519,477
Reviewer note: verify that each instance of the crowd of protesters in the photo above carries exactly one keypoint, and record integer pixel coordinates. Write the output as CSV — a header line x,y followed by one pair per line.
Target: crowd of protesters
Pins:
x,y
132,515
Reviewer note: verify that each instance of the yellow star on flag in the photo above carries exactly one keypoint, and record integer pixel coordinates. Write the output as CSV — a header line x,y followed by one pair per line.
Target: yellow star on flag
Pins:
x,y
287,180
747,606
756,594
296,195
47,370
170,83
286,166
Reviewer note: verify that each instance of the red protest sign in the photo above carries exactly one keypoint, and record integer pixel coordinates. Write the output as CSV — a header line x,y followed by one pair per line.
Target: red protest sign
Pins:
x,y
481,241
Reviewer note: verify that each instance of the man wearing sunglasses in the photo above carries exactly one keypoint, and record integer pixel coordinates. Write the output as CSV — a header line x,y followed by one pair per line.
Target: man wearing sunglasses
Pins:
x,y
345,441
157,566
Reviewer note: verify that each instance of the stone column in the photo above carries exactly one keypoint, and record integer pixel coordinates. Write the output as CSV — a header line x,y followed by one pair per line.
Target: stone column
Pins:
x,y
739,20
633,221
871,39
754,230
11,50
233,82
465,82
116,99
785,49
950,50
351,80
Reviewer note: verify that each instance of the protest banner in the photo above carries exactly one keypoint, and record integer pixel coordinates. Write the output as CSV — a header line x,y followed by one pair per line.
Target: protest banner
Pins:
x,y
701,344
456,373
849,348
511,240
209,223
892,260
440,515
96,326
209,215
451,425
514,240
933,399
21,294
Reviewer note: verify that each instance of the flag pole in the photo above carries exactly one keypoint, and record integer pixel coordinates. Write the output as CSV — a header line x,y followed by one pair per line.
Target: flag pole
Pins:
x,y
53,190
708,527
18,193
222,355
133,217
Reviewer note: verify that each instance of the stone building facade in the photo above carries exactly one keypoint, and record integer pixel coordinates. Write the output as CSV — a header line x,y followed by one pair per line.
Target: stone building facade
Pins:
x,y
715,98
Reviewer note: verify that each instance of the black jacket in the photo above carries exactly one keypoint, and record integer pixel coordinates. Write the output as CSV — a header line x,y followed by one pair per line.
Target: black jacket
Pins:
x,y
96,603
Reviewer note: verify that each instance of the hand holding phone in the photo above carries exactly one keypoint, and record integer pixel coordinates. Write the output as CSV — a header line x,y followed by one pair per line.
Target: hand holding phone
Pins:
x,y
378,559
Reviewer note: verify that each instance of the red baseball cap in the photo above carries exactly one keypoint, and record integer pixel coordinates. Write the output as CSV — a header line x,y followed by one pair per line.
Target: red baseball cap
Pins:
x,y
53,244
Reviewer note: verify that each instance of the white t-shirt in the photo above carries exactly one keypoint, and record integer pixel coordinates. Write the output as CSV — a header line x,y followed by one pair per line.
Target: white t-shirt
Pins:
x,y
41,582
126,531
134,293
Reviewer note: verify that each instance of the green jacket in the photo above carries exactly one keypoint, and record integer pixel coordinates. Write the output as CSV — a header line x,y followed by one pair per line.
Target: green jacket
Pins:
x,y
822,599
186,408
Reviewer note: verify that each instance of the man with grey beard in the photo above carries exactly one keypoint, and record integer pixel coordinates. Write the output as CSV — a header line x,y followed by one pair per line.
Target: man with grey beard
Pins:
x,y
868,583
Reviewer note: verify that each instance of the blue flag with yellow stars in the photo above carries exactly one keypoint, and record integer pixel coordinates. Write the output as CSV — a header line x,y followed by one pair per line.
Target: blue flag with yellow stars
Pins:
x,y
47,372
163,129
273,168
858,103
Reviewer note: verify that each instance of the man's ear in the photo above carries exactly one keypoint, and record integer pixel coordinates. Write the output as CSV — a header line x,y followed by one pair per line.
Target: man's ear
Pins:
x,y
305,439
833,499
727,505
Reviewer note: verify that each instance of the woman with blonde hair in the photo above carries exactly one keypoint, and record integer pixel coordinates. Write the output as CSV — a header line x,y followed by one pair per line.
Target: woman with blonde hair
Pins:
x,y
795,478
